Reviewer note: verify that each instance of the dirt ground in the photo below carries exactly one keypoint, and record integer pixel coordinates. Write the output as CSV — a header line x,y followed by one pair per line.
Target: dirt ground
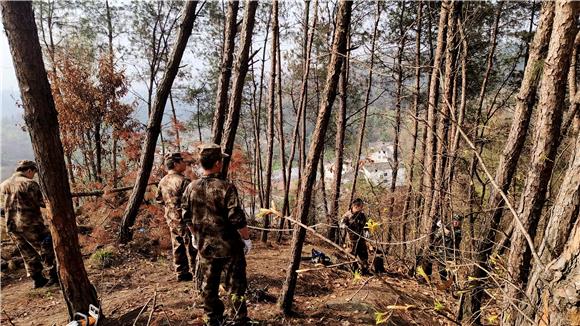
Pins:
x,y
324,297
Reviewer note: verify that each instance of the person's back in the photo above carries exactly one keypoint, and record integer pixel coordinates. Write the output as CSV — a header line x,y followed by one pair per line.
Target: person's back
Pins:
x,y
216,216
22,200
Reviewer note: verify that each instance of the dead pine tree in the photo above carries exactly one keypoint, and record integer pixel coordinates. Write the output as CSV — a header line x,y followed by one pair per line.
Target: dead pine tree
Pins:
x,y
154,125
366,102
513,147
41,119
309,178
225,71
546,141
271,105
240,71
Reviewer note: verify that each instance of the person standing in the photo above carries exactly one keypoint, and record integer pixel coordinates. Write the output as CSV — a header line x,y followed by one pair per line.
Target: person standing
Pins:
x,y
169,194
22,200
211,208
355,221
446,245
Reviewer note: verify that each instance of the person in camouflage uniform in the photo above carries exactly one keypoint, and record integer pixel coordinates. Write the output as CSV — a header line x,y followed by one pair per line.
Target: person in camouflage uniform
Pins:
x,y
21,201
212,209
355,220
446,245
169,193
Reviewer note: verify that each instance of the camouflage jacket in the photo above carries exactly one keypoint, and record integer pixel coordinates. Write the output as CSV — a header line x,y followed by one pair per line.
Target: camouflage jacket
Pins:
x,y
169,193
213,207
356,223
21,199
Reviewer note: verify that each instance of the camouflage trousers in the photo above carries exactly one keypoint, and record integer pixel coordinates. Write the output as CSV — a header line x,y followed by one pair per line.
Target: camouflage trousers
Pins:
x,y
183,251
35,246
234,270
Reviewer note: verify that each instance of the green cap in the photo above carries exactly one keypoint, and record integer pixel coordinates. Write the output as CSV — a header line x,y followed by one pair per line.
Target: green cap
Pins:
x,y
211,151
172,158
26,164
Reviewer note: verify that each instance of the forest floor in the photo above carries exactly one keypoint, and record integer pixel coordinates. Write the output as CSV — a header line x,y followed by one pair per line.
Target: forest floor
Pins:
x,y
127,277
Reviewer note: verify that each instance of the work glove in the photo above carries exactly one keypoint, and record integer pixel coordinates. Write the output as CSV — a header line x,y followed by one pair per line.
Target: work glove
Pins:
x,y
247,246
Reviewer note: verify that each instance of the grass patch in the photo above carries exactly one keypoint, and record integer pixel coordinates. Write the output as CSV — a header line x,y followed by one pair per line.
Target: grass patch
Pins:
x,y
103,258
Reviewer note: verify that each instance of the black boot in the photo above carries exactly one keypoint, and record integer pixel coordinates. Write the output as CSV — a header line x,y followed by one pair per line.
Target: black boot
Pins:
x,y
39,281
185,277
52,278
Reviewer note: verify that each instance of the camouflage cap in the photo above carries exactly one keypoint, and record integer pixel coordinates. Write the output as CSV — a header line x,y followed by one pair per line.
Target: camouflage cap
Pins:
x,y
211,151
457,217
172,158
26,164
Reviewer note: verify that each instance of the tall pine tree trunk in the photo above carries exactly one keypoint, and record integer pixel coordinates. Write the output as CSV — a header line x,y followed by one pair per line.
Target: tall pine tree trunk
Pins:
x,y
525,103
240,71
41,119
305,195
546,141
221,102
154,124
339,151
271,105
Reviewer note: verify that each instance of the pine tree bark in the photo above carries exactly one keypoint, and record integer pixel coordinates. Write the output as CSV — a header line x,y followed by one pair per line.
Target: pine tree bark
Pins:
x,y
444,113
154,124
225,73
281,140
339,151
271,105
563,217
507,165
305,195
366,104
546,142
240,71
41,119
399,99
415,132
426,223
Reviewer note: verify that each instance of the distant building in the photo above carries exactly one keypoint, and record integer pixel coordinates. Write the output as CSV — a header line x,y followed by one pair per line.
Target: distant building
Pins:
x,y
381,152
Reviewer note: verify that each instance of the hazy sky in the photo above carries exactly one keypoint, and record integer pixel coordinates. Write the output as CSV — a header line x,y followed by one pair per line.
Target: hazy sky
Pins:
x,y
7,75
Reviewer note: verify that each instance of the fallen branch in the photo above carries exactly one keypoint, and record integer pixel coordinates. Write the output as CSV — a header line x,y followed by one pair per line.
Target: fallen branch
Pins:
x,y
324,267
360,288
152,308
102,192
142,310
8,317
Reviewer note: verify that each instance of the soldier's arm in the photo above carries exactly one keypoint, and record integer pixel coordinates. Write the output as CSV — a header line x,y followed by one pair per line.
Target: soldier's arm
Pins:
x,y
186,214
36,194
236,215
159,196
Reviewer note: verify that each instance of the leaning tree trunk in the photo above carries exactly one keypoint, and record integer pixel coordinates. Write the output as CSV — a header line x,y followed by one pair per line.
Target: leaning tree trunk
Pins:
x,y
339,151
525,103
41,119
221,102
546,141
363,123
305,194
240,70
564,215
426,222
154,125
271,105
